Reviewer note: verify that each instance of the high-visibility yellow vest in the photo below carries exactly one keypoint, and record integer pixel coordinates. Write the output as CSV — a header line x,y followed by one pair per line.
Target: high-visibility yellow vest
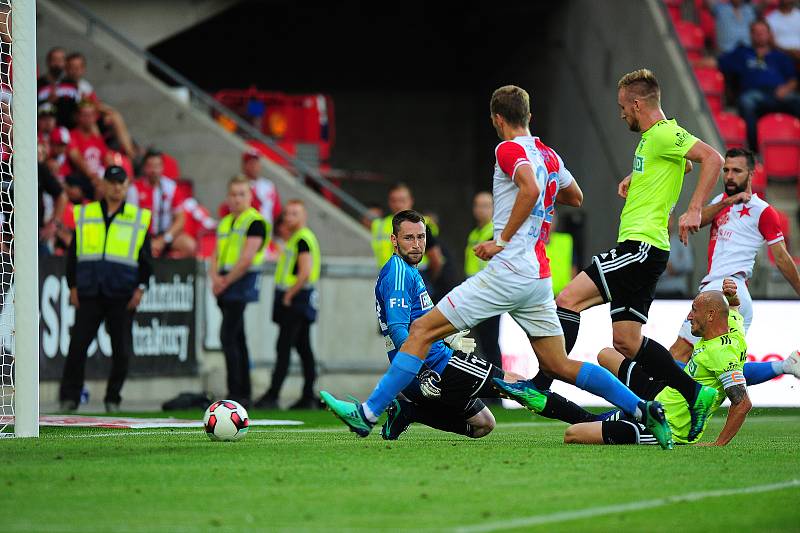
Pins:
x,y
559,251
382,242
433,226
473,265
284,272
231,236
108,258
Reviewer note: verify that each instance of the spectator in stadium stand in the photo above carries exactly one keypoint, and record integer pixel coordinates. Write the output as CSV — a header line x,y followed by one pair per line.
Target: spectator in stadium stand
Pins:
x,y
235,270
57,160
48,185
87,151
733,23
674,282
79,191
265,195
45,122
767,79
56,87
108,266
785,25
401,199
114,130
295,305
76,70
161,196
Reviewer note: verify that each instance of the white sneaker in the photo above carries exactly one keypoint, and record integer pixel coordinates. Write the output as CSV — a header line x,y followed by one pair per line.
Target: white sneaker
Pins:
x,y
791,365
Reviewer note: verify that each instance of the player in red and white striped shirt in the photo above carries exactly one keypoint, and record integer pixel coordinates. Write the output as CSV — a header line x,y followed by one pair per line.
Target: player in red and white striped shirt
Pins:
x,y
741,223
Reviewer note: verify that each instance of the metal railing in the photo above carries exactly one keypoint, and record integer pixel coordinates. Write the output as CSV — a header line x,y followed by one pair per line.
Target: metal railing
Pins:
x,y
198,95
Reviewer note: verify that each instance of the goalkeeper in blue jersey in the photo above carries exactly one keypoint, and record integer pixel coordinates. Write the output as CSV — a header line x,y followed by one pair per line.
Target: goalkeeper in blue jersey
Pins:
x,y
446,393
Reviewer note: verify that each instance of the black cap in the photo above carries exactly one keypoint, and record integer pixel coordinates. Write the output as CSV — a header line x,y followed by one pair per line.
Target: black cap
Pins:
x,y
115,173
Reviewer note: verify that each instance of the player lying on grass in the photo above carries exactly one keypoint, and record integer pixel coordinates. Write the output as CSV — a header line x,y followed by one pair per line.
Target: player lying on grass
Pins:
x,y
446,393
516,280
717,361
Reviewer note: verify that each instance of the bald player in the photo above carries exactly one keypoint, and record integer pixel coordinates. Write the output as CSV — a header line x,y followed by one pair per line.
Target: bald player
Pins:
x,y
717,361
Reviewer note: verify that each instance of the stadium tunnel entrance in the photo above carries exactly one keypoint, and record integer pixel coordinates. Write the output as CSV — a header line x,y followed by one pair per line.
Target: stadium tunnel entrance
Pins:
x,y
410,86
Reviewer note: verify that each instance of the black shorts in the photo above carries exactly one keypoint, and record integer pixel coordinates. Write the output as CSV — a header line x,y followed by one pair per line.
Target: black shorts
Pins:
x,y
463,382
621,428
626,276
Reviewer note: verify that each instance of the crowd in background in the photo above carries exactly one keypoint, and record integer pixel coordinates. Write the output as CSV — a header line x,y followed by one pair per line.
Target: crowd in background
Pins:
x,y
756,46
79,136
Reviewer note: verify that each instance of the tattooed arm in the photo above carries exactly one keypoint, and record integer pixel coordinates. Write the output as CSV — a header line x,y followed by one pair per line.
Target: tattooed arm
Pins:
x,y
740,406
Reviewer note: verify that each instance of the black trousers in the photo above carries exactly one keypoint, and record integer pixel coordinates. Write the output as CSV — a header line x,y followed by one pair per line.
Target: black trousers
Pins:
x,y
234,346
294,332
88,316
488,332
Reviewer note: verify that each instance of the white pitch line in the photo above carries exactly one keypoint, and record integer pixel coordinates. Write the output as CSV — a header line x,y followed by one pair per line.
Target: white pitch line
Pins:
x,y
339,429
591,512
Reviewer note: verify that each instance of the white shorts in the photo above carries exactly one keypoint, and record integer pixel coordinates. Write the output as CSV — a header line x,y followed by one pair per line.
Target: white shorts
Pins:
x,y
494,291
745,307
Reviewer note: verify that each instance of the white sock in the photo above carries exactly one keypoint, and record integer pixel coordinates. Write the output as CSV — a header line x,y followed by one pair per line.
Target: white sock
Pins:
x,y
777,367
368,413
638,415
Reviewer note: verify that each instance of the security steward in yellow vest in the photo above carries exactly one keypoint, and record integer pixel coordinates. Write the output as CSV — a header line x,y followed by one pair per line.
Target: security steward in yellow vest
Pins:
x,y
235,274
108,265
294,306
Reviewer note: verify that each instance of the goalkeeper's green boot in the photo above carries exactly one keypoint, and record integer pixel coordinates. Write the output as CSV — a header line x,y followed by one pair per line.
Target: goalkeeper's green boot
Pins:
x,y
701,410
523,392
349,412
656,422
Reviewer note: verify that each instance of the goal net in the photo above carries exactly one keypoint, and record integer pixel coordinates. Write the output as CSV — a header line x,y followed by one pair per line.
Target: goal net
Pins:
x,y
19,294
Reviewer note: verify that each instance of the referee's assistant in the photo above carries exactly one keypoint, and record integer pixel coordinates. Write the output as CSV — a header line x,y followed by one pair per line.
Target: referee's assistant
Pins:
x,y
108,265
235,280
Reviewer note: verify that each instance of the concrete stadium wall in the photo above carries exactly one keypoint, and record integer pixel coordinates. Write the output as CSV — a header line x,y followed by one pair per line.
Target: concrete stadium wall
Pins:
x,y
206,152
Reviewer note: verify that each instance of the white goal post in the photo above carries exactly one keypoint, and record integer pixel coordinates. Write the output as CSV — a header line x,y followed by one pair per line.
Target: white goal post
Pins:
x,y
25,222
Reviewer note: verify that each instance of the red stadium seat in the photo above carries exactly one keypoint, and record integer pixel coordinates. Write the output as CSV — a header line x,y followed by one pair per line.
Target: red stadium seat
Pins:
x,y
779,144
732,128
759,181
709,26
712,83
674,9
691,37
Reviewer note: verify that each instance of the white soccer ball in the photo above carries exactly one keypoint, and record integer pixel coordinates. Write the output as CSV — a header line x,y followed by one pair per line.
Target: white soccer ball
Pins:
x,y
226,420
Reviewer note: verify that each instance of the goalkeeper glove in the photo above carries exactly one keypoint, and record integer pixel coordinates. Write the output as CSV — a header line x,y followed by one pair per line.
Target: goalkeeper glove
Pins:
x,y
458,341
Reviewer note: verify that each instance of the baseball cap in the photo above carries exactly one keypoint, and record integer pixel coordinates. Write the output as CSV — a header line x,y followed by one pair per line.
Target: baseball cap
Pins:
x,y
250,154
115,173
46,108
59,135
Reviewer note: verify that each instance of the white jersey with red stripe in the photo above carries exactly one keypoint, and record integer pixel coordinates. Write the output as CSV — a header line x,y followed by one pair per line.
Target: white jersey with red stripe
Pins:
x,y
558,177
737,233
520,256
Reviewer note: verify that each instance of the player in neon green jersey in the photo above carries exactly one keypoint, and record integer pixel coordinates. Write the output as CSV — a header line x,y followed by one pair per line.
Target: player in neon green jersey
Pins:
x,y
717,361
626,275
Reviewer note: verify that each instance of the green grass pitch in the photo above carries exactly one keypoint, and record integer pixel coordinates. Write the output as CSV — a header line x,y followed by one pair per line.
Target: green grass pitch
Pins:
x,y
322,478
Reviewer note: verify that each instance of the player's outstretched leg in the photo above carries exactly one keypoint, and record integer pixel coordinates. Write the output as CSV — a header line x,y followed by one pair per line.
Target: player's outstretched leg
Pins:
x,y
405,366
601,382
349,412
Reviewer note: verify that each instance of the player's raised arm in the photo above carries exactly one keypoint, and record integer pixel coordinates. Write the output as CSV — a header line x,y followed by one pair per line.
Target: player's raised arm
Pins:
x,y
786,264
711,164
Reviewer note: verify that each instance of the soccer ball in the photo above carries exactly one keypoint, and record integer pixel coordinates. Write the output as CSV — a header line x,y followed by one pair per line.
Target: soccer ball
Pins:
x,y
226,420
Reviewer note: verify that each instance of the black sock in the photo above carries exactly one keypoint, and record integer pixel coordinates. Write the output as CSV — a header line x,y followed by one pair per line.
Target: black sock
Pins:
x,y
441,417
571,324
542,381
658,363
559,408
